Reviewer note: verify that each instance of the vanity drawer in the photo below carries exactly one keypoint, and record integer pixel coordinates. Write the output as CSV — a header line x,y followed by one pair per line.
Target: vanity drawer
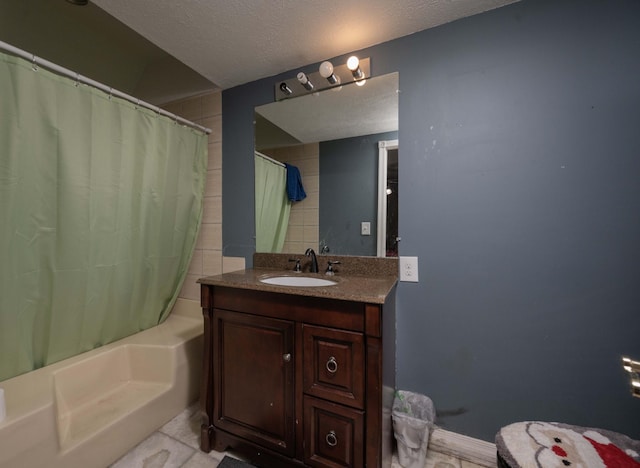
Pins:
x,y
334,365
334,434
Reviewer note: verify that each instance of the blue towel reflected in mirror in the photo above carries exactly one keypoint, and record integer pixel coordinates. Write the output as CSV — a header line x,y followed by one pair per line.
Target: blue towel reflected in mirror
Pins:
x,y
295,190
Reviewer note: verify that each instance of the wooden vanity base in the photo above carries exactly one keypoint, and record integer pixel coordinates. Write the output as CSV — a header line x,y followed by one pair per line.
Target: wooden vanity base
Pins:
x,y
293,380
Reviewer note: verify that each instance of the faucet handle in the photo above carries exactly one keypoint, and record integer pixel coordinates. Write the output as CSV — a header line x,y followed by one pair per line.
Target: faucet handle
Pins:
x,y
330,271
297,268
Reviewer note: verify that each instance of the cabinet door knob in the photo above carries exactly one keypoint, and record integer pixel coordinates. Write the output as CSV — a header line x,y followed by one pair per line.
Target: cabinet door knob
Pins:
x,y
286,357
331,439
332,365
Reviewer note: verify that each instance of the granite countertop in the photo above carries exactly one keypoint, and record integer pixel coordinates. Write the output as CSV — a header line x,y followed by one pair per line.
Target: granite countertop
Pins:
x,y
370,289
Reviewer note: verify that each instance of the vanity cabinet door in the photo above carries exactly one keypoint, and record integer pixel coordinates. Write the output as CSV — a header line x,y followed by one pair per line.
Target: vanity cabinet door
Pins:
x,y
334,434
334,365
254,378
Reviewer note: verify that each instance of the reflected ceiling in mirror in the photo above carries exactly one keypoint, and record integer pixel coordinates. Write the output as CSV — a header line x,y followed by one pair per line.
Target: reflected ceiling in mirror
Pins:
x,y
337,113
297,131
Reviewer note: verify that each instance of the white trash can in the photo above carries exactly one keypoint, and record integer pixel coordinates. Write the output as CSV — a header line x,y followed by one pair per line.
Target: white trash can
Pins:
x,y
413,417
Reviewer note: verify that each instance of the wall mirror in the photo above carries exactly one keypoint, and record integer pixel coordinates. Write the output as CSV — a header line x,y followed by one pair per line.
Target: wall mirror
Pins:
x,y
344,141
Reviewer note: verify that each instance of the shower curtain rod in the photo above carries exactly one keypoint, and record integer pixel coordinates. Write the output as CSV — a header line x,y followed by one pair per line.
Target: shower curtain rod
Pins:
x,y
38,61
269,159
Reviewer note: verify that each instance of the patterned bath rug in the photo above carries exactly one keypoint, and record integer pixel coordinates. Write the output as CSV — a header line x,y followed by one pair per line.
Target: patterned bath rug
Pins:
x,y
228,462
545,444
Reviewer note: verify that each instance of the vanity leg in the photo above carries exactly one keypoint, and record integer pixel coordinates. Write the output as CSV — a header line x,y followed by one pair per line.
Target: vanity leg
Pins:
x,y
206,384
205,438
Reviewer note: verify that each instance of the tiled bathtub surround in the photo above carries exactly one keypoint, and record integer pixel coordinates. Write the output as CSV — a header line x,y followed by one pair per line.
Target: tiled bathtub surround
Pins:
x,y
206,110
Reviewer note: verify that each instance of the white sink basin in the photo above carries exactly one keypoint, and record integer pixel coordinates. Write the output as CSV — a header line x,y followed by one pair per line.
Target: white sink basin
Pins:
x,y
298,281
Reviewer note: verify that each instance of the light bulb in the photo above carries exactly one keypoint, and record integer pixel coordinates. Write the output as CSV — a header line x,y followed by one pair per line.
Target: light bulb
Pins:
x,y
353,63
326,71
304,81
285,89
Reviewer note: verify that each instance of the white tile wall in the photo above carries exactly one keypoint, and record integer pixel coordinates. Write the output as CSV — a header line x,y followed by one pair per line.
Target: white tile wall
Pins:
x,y
206,110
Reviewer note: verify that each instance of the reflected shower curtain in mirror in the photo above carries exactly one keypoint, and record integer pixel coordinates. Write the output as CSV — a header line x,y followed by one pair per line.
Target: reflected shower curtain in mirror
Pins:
x,y
100,206
272,205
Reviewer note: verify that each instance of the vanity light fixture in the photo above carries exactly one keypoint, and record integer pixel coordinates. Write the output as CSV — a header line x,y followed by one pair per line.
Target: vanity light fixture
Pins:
x,y
305,82
328,76
326,71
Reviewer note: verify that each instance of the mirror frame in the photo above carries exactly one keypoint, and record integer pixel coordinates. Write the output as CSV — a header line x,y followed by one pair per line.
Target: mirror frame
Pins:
x,y
383,158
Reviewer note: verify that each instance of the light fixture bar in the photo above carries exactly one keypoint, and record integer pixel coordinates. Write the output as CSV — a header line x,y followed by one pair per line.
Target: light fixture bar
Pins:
x,y
307,83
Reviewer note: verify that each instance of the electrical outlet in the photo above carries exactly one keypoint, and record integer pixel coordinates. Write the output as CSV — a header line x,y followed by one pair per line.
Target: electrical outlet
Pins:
x,y
409,269
365,228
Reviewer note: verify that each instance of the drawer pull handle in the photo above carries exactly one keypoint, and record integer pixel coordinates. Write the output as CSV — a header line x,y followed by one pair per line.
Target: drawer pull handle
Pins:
x,y
287,357
332,365
331,439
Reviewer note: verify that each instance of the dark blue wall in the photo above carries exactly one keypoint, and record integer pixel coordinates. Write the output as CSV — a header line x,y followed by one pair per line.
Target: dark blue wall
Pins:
x,y
350,166
520,194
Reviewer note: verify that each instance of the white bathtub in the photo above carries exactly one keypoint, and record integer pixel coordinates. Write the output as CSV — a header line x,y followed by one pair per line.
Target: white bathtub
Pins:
x,y
89,410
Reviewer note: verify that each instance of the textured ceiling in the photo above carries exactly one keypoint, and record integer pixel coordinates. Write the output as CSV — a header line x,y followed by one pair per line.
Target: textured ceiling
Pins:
x,y
231,42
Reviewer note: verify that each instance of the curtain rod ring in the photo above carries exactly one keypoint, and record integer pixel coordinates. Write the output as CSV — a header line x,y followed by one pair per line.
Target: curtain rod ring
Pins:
x,y
77,83
34,65
110,93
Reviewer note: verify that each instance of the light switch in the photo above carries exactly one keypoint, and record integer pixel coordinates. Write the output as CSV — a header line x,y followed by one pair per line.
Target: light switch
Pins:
x,y
365,228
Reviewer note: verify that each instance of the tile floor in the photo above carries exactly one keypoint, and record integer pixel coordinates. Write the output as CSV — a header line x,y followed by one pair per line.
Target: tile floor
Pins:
x,y
175,445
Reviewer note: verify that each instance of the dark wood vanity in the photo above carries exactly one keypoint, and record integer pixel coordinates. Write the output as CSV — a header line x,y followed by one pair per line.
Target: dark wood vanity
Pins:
x,y
299,376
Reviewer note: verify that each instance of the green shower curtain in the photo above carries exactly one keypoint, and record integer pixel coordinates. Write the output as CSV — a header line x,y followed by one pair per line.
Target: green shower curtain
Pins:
x,y
272,205
100,206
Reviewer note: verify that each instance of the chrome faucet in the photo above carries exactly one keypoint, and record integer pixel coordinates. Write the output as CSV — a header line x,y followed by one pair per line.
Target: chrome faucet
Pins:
x,y
297,268
314,260
330,271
